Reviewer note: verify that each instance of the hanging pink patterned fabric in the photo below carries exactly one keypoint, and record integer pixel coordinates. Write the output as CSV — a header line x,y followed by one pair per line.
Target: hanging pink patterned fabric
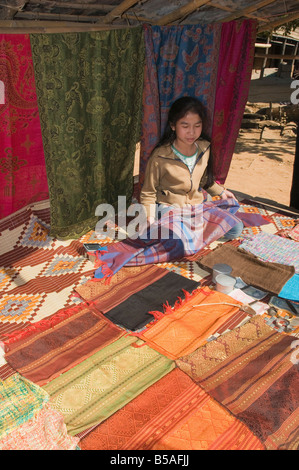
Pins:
x,y
233,80
211,62
23,177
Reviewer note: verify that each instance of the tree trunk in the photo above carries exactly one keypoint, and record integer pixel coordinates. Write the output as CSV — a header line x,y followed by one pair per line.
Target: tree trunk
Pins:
x,y
295,183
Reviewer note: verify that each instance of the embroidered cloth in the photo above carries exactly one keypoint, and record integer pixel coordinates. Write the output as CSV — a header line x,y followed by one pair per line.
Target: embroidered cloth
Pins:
x,y
38,273
179,60
96,388
23,177
45,431
126,282
95,107
183,329
253,372
166,416
20,400
56,347
273,248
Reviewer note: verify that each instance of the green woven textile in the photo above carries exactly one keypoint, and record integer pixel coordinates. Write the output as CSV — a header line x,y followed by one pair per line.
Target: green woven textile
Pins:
x,y
89,89
96,388
20,400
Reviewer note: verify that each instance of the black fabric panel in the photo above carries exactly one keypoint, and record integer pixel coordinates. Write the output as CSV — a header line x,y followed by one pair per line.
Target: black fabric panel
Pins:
x,y
133,315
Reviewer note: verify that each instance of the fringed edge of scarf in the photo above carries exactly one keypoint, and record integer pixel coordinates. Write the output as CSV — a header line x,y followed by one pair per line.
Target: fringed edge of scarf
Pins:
x,y
42,325
107,272
168,309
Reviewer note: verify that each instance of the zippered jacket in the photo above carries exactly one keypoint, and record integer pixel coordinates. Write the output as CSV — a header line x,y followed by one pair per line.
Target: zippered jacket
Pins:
x,y
169,181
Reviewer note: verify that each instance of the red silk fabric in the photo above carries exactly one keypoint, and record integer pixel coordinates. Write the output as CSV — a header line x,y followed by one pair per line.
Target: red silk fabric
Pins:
x,y
23,178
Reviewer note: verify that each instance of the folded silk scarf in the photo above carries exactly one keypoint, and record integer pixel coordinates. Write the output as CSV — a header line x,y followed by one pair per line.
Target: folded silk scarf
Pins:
x,y
126,282
96,388
178,233
166,416
267,276
253,372
189,325
55,348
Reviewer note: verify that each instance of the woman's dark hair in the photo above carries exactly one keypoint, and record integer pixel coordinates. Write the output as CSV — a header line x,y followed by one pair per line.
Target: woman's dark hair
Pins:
x,y
182,106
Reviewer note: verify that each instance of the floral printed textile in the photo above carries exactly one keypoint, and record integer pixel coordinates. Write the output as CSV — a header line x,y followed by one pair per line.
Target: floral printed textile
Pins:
x,y
45,431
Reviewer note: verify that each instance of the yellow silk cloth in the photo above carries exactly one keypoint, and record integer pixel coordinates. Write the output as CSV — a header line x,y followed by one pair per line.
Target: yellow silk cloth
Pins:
x,y
93,390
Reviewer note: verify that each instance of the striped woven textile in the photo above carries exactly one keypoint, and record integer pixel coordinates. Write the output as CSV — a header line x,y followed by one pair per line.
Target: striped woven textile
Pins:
x,y
104,382
178,233
54,345
173,413
253,372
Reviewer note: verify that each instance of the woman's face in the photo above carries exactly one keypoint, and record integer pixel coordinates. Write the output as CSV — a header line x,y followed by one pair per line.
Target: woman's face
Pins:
x,y
188,129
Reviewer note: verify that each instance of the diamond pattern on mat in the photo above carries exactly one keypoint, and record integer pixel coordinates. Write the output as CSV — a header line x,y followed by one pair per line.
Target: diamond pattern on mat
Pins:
x,y
20,307
35,234
282,222
63,264
6,276
252,210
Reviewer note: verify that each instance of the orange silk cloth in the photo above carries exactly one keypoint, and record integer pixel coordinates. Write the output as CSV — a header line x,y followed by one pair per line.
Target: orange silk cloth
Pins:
x,y
185,328
173,413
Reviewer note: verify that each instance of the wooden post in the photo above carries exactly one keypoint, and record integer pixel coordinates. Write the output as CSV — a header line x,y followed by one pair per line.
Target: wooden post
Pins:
x,y
295,53
283,49
265,59
295,183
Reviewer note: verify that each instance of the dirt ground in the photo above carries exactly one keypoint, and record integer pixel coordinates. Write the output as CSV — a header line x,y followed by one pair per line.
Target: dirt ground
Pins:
x,y
263,167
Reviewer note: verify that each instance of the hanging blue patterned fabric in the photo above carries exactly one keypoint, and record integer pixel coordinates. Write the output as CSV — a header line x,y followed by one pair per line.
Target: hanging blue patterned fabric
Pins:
x,y
180,60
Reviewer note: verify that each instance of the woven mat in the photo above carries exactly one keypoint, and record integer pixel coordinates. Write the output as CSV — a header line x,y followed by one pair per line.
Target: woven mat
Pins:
x,y
39,274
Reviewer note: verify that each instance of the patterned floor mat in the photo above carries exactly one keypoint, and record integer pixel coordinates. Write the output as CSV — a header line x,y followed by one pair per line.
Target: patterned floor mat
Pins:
x,y
38,273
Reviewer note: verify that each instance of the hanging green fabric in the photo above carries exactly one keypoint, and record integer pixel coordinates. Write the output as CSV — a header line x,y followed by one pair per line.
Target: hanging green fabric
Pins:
x,y
89,88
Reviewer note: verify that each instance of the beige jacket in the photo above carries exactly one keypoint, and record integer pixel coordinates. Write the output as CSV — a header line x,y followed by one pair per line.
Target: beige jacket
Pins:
x,y
169,181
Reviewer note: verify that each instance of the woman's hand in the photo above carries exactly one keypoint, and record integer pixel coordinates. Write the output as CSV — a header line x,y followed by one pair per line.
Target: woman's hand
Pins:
x,y
226,194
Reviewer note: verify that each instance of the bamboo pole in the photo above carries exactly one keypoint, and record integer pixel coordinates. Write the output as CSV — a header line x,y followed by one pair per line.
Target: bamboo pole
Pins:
x,y
32,15
281,21
231,10
74,6
248,10
277,56
181,12
118,10
28,26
